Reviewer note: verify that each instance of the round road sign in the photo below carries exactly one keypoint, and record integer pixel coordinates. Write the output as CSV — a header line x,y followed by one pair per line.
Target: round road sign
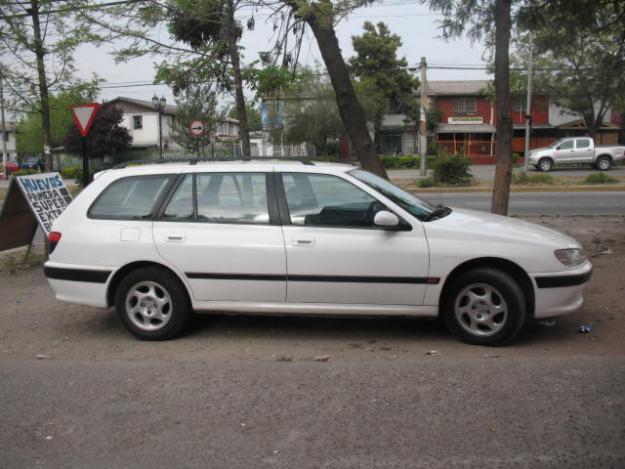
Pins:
x,y
196,128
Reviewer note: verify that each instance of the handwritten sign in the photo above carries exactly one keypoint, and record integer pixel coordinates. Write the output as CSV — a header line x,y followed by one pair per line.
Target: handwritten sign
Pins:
x,y
47,196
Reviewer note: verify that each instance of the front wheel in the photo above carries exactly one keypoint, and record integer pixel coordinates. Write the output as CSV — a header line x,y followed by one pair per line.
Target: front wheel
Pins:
x,y
152,304
484,307
603,163
545,164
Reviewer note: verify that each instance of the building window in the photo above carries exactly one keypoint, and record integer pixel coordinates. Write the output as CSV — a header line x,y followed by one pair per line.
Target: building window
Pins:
x,y
465,106
137,122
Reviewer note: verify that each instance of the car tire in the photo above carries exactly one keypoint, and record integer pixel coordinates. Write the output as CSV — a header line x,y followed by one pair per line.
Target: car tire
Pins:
x,y
153,304
484,307
545,165
603,163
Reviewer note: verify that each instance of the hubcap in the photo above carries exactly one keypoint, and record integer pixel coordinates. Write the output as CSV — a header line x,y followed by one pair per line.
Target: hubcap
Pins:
x,y
148,306
603,164
481,310
545,165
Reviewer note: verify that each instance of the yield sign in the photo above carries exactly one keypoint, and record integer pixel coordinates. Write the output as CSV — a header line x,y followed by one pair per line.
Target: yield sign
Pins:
x,y
83,115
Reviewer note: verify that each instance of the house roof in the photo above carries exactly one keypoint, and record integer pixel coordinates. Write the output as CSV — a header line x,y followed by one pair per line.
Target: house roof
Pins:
x,y
456,87
169,108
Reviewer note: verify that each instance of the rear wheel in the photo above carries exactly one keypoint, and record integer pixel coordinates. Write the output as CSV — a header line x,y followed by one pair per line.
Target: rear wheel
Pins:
x,y
152,304
545,164
603,163
484,307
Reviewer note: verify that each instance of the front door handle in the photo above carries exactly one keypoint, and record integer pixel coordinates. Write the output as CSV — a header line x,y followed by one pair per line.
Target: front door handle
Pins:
x,y
303,242
175,238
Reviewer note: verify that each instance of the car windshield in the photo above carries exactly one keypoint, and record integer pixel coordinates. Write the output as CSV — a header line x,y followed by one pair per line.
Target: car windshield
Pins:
x,y
556,143
409,202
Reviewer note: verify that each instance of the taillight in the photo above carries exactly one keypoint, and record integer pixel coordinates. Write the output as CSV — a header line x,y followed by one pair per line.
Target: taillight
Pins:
x,y
53,239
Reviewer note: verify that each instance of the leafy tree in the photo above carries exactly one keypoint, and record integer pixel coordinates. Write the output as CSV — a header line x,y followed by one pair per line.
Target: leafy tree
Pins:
x,y
107,137
377,65
37,55
197,102
581,45
312,117
253,116
492,20
30,133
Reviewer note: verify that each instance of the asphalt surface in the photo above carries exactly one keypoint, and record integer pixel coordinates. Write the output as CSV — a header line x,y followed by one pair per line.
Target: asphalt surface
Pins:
x,y
486,172
538,203
383,414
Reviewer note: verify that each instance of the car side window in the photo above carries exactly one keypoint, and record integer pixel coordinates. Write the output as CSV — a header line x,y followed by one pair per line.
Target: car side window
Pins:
x,y
130,198
326,200
232,198
582,143
568,145
180,207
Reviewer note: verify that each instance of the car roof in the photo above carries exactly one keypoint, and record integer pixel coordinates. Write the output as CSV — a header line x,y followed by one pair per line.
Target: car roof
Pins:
x,y
229,166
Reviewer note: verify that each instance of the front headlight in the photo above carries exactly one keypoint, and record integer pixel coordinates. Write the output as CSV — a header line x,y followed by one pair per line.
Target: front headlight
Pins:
x,y
570,257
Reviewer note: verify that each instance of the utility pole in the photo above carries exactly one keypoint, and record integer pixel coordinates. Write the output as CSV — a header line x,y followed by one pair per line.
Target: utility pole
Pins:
x,y
5,155
528,110
423,142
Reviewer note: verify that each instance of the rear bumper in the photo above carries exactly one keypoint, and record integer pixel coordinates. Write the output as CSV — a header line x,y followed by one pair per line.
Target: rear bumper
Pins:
x,y
78,284
560,293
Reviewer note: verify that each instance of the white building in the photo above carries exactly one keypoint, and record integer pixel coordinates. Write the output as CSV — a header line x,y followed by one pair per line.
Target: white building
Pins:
x,y
10,140
141,119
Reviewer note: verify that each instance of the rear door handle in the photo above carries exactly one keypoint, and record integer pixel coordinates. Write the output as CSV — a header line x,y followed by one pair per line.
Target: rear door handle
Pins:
x,y
303,242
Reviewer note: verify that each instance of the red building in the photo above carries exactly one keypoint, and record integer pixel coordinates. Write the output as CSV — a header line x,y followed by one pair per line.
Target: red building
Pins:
x,y
467,121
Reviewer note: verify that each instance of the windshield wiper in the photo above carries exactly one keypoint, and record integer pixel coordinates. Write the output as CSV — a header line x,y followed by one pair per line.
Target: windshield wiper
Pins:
x,y
439,212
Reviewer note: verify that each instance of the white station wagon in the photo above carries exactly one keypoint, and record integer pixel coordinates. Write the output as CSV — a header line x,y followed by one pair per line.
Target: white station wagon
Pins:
x,y
160,241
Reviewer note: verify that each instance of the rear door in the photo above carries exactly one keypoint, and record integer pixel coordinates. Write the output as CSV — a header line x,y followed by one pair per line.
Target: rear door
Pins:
x,y
335,254
584,151
222,231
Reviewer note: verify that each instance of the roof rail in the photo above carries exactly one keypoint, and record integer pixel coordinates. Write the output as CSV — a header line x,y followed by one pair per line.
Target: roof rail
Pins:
x,y
191,161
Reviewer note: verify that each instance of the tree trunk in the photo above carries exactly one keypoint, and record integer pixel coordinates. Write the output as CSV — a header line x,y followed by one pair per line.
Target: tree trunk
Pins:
x,y
503,170
43,86
233,51
350,110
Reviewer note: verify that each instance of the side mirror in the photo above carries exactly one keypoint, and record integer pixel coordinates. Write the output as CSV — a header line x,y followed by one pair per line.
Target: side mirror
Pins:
x,y
386,219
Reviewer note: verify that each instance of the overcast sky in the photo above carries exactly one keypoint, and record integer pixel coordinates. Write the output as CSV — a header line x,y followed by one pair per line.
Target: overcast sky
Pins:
x,y
415,24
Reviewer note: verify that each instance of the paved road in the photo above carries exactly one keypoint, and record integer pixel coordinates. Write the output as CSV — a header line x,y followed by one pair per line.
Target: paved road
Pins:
x,y
486,172
538,203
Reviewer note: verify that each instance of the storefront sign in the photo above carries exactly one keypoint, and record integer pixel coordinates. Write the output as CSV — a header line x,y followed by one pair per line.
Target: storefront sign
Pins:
x,y
465,120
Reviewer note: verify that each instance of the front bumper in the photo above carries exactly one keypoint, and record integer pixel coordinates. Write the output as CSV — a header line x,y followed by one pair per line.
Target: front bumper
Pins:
x,y
560,293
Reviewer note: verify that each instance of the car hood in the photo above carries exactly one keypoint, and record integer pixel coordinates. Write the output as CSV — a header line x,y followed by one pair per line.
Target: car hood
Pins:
x,y
537,150
498,229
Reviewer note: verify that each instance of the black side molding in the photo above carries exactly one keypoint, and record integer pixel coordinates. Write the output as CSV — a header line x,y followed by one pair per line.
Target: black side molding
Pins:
x,y
563,280
314,278
77,275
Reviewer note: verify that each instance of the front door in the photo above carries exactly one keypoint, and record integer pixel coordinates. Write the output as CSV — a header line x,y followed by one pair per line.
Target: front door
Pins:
x,y
565,152
335,254
217,230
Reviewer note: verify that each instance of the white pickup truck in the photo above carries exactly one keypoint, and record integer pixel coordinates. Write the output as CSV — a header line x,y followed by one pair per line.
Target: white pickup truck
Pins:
x,y
576,151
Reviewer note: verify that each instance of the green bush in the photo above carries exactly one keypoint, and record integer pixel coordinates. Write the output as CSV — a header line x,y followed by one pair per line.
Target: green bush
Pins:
x,y
600,178
71,172
452,170
426,182
25,172
524,179
403,161
432,148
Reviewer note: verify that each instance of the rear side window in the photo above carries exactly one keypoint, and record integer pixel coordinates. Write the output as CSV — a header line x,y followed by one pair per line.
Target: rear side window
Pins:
x,y
220,198
131,198
583,143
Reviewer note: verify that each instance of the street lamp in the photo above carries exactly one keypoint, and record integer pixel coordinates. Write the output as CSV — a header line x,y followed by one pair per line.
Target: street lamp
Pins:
x,y
159,105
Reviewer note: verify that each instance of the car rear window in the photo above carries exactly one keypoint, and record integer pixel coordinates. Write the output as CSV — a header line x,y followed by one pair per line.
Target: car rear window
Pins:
x,y
131,198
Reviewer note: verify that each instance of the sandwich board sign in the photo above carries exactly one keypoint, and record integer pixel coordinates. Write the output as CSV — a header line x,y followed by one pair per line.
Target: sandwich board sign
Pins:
x,y
31,202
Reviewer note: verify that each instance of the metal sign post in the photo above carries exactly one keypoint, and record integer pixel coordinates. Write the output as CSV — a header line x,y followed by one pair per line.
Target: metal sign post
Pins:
x,y
83,115
197,128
